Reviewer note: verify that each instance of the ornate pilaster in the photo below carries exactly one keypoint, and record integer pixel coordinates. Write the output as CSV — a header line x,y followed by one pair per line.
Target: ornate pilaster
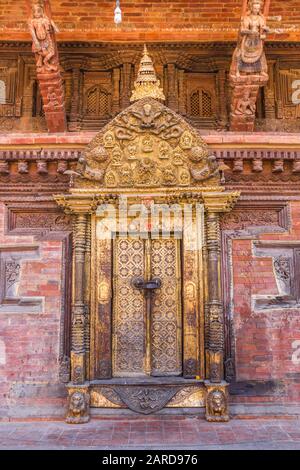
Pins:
x,y
214,305
172,89
116,91
217,403
126,88
79,307
182,92
74,124
81,209
87,285
270,93
222,96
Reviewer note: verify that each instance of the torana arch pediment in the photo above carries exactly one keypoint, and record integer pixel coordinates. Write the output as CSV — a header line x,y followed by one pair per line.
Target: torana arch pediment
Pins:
x,y
147,145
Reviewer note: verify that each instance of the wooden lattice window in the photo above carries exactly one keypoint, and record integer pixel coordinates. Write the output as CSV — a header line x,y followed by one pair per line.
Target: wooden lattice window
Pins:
x,y
97,102
201,104
2,92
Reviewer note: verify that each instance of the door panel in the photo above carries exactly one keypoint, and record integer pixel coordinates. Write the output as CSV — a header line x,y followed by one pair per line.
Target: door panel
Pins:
x,y
166,308
129,309
147,337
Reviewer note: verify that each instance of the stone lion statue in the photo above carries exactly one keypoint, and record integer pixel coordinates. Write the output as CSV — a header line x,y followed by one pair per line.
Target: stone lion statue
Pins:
x,y
216,404
78,408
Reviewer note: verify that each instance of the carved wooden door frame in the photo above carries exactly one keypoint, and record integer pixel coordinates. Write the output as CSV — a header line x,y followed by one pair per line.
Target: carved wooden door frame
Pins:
x,y
82,205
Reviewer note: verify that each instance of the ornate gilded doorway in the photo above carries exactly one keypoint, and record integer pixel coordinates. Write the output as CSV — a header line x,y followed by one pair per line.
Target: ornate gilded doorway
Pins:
x,y
147,314
147,310
151,297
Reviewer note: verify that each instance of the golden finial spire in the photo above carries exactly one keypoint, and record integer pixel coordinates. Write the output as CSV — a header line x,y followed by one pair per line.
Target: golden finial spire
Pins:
x,y
147,84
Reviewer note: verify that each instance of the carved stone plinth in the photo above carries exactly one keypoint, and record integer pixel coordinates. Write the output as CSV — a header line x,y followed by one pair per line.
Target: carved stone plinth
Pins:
x,y
217,402
78,404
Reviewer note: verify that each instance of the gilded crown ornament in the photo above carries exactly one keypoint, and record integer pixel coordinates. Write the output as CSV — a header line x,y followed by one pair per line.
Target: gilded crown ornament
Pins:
x,y
147,84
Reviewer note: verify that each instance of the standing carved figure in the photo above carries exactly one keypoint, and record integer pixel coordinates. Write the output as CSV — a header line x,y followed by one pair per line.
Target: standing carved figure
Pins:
x,y
42,29
249,56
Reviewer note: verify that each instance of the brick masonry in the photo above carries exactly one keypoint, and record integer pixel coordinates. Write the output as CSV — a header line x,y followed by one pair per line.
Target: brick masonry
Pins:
x,y
29,342
267,342
145,20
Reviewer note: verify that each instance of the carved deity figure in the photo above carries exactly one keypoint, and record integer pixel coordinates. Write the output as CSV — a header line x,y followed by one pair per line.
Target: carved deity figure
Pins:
x,y
52,97
42,29
249,56
245,105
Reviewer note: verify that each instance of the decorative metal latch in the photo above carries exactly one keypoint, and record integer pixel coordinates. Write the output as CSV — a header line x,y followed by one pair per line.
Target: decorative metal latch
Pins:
x,y
148,286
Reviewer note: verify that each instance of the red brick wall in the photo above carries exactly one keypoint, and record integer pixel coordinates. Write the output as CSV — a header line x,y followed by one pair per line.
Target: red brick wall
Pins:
x,y
268,341
146,20
29,342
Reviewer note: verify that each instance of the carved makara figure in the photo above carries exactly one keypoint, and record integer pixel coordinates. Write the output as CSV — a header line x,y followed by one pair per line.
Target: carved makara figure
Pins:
x,y
42,29
85,171
208,171
249,56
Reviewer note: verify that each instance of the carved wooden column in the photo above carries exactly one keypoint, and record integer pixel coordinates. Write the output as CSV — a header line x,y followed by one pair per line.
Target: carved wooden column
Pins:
x,y
49,76
222,96
74,124
78,401
182,92
126,88
270,93
217,388
87,291
116,91
172,88
78,307
27,101
78,389
215,313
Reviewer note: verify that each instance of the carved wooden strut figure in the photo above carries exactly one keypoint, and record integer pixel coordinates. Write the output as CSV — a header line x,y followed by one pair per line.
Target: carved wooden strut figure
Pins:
x,y
249,69
249,56
41,29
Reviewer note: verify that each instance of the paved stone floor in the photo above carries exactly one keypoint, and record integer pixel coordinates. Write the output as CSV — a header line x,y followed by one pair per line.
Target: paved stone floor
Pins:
x,y
152,433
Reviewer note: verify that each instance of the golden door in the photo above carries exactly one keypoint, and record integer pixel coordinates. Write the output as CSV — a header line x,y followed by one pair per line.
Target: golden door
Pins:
x,y
147,310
